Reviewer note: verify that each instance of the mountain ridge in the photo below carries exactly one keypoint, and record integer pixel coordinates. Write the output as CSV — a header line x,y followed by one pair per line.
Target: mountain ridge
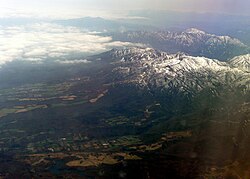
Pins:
x,y
192,41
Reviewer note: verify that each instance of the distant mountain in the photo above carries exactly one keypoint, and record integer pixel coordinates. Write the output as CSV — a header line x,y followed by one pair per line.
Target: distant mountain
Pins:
x,y
14,21
192,41
101,25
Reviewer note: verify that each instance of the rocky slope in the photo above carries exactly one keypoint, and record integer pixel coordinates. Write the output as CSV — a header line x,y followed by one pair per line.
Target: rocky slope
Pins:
x,y
241,62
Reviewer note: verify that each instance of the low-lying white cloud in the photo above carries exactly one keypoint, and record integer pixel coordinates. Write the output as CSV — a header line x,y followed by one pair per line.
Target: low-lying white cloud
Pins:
x,y
37,42
73,61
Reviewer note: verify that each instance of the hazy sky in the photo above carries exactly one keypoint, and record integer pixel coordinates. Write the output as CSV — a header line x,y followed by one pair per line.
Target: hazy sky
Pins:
x,y
109,7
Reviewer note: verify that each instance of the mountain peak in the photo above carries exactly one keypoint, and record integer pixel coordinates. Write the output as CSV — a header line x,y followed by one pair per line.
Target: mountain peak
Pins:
x,y
194,31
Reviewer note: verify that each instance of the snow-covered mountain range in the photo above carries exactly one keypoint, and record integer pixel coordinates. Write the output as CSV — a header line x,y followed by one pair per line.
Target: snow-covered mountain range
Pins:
x,y
192,41
152,69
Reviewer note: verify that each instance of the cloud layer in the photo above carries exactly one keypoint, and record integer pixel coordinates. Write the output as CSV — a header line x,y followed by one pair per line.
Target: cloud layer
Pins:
x,y
41,41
